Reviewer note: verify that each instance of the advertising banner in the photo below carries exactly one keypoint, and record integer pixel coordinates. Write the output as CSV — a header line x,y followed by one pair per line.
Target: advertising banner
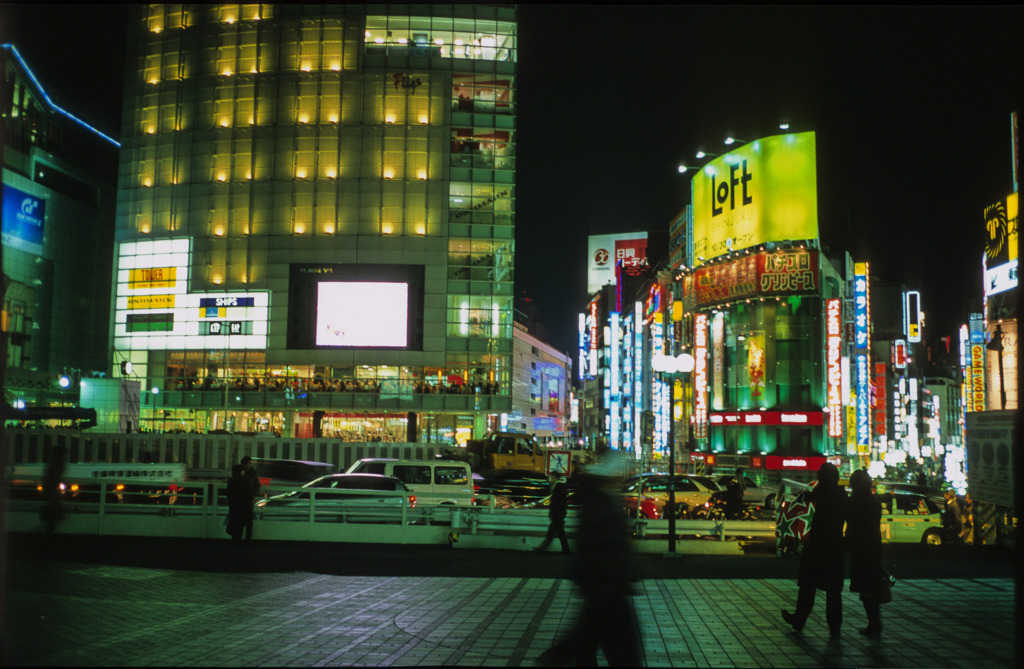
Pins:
x,y
881,401
755,365
1001,246
860,305
990,445
786,272
863,409
700,376
977,388
23,217
764,191
1001,229
833,361
604,251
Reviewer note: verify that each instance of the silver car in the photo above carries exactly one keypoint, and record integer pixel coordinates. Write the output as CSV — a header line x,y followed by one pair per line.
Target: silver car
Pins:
x,y
345,497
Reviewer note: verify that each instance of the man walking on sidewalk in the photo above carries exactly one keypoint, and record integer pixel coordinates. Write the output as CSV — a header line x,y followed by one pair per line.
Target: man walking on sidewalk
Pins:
x,y
556,514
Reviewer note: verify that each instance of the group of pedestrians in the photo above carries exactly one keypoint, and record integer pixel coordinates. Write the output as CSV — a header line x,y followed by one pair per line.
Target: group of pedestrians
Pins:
x,y
822,560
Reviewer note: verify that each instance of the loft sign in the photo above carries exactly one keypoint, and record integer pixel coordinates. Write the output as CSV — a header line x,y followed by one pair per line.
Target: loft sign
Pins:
x,y
726,190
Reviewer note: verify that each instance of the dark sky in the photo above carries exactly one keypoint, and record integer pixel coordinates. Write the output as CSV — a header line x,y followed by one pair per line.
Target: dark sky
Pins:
x,y
911,107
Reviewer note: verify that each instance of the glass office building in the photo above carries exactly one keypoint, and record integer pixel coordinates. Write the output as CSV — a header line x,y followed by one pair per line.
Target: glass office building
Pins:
x,y
315,225
58,227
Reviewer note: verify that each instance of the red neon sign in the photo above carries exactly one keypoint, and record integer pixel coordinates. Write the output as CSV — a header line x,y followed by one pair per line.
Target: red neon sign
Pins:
x,y
748,418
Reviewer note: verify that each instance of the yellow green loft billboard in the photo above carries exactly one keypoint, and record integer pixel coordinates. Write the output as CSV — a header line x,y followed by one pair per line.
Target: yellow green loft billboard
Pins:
x,y
764,191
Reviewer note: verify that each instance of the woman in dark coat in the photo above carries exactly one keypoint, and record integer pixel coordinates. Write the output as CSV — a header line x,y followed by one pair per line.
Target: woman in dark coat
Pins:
x,y
821,561
864,541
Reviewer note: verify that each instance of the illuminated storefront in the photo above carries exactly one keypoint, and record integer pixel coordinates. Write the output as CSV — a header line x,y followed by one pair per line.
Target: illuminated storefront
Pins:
x,y
315,232
766,312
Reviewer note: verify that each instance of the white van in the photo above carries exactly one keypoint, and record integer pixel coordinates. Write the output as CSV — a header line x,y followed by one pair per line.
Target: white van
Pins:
x,y
435,482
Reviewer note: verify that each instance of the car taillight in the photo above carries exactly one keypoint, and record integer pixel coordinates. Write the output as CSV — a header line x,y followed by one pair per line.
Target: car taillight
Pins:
x,y
264,481
412,501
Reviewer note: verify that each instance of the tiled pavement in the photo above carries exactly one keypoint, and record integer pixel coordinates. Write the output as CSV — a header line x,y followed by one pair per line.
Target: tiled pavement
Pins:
x,y
74,613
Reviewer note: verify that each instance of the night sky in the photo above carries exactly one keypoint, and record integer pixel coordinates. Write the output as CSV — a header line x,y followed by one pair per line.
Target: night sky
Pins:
x,y
911,107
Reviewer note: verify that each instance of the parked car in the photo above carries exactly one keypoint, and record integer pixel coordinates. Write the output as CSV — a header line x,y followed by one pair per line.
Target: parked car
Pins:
x,y
279,472
708,482
516,486
908,517
435,482
752,492
930,492
355,497
687,490
650,508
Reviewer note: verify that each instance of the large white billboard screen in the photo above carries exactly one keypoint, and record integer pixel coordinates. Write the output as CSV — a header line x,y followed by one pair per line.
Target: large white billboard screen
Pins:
x,y
362,314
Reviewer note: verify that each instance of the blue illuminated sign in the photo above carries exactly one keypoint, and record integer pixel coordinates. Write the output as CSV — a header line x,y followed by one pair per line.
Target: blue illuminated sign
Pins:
x,y
860,310
23,216
863,410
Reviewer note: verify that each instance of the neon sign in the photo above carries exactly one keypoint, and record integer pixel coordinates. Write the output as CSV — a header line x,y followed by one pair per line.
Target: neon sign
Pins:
x,y
834,366
700,375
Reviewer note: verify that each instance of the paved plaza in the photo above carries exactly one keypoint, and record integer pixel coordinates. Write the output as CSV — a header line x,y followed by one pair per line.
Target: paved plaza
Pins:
x,y
63,612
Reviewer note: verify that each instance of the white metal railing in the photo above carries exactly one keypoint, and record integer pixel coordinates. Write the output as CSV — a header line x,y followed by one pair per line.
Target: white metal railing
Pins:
x,y
200,510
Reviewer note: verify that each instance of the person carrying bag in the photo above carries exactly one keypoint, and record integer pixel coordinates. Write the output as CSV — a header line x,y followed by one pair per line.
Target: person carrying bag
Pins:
x,y
864,542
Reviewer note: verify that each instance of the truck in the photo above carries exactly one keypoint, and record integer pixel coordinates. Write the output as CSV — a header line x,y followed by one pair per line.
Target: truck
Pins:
x,y
502,450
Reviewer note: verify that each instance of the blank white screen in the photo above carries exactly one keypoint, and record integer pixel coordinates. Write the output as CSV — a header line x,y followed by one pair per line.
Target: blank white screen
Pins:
x,y
362,314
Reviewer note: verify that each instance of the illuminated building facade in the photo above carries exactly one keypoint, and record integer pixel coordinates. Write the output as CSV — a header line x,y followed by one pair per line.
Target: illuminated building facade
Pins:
x,y
759,320
540,389
58,230
757,304
315,225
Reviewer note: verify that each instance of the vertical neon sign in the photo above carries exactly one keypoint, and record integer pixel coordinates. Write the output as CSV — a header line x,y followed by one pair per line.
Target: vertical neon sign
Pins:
x,y
582,346
637,377
834,365
659,401
700,376
615,403
861,334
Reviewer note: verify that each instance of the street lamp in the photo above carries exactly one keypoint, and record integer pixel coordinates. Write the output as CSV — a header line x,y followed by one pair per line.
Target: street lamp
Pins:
x,y
671,366
700,155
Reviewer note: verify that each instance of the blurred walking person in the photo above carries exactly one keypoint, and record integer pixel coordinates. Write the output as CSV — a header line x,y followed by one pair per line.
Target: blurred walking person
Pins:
x,y
604,574
821,561
556,515
864,542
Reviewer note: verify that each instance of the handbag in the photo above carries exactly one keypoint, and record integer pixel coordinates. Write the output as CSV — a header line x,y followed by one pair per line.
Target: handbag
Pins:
x,y
885,582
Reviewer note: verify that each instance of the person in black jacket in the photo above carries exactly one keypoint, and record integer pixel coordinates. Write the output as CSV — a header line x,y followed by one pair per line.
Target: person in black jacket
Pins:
x,y
239,504
821,562
556,513
864,542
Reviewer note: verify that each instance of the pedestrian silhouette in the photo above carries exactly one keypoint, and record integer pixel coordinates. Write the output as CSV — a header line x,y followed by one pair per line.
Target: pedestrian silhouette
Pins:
x,y
604,574
864,542
252,480
239,504
556,515
734,495
821,561
53,509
